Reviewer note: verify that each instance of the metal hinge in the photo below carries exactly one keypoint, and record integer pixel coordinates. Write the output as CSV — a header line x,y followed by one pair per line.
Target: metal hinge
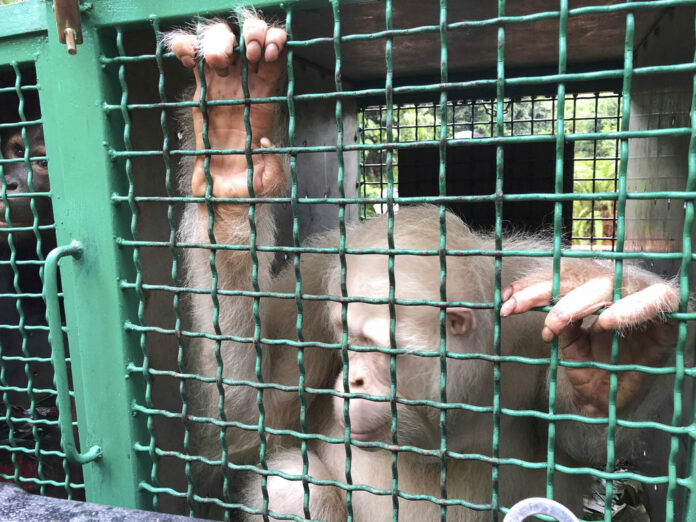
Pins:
x,y
68,20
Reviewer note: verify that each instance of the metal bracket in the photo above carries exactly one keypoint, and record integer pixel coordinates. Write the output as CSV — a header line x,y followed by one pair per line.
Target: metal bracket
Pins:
x,y
68,20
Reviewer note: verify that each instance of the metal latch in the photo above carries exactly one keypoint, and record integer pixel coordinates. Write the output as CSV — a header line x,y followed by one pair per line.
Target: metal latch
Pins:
x,y
68,20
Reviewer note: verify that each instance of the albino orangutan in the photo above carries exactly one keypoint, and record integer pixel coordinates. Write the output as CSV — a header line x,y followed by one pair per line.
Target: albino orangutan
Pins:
x,y
467,393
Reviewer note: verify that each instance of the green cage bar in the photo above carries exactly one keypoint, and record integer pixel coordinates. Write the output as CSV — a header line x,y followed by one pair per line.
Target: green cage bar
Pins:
x,y
91,108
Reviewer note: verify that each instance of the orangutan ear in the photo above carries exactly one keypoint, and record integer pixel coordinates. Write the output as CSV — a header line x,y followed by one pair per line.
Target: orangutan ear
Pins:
x,y
460,321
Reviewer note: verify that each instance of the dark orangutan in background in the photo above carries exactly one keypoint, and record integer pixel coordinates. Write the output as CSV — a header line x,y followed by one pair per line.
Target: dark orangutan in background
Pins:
x,y
26,335
24,253
586,286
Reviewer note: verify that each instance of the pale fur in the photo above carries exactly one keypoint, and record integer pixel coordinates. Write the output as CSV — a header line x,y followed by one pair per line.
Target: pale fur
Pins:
x,y
469,278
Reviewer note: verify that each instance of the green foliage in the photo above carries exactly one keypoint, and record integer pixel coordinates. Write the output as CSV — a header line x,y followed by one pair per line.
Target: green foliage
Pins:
x,y
594,166
5,2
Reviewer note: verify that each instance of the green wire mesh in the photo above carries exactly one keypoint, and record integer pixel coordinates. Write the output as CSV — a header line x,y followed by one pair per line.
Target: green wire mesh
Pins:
x,y
30,453
594,163
438,93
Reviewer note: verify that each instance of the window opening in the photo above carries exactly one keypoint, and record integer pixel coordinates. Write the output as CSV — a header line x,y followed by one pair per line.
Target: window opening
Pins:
x,y
594,162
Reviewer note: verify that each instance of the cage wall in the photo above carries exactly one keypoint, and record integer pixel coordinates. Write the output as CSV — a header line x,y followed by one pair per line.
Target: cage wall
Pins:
x,y
486,417
31,453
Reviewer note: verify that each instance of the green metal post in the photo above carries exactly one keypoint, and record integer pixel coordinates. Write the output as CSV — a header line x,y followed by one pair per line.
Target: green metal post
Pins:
x,y
83,178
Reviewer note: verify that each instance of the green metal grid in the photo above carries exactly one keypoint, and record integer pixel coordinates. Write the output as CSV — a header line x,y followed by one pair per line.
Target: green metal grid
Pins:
x,y
389,202
595,163
108,48
38,464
